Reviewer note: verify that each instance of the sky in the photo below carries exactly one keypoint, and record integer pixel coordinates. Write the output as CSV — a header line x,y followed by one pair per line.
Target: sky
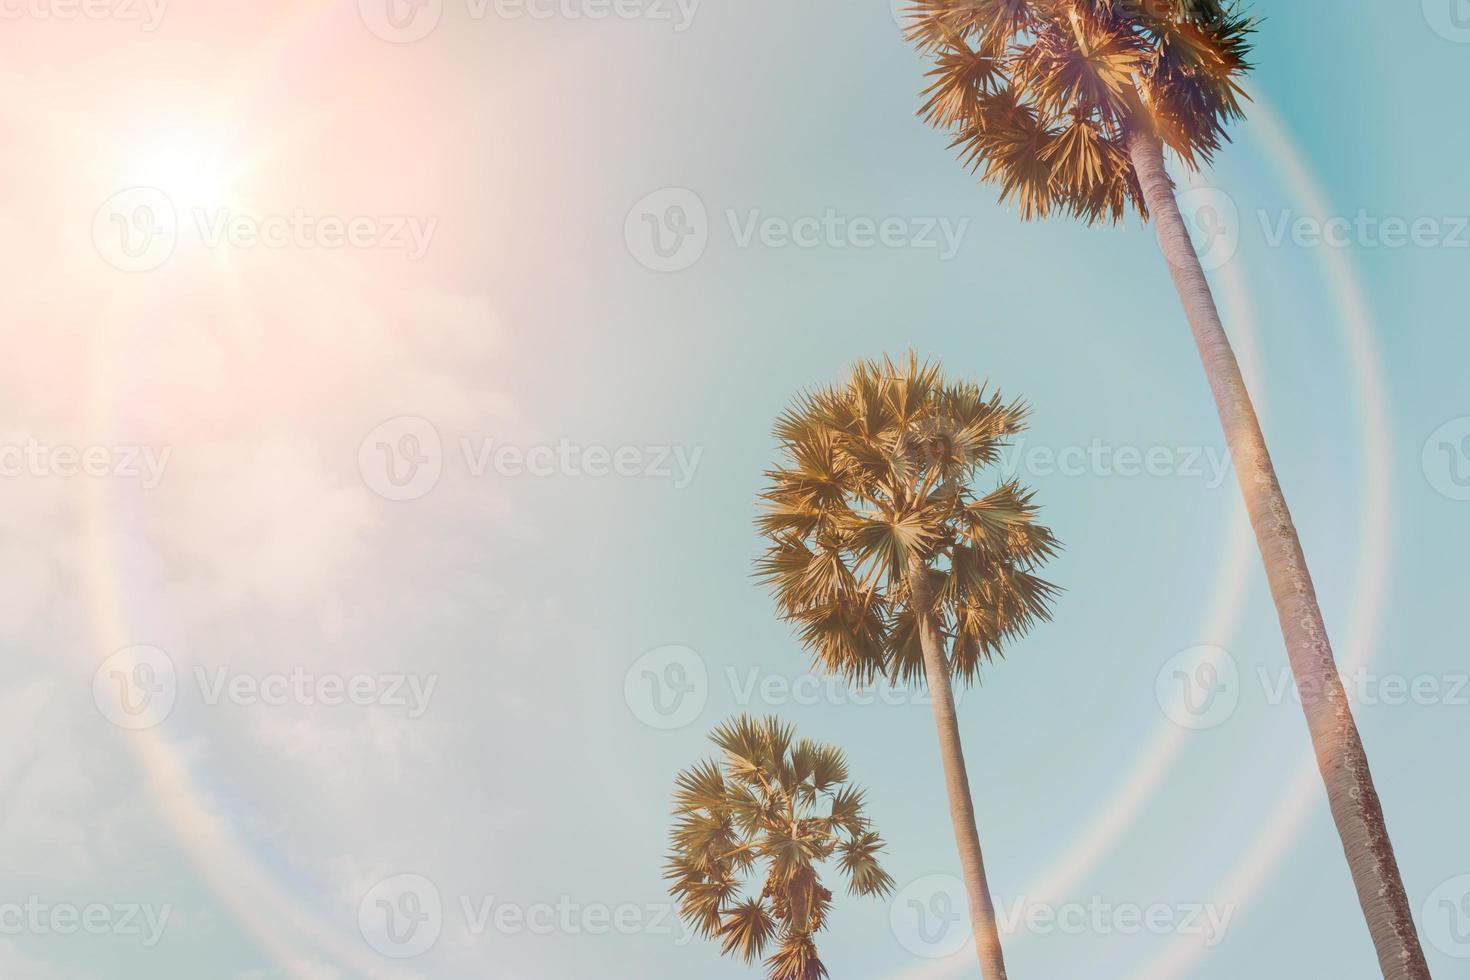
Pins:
x,y
386,399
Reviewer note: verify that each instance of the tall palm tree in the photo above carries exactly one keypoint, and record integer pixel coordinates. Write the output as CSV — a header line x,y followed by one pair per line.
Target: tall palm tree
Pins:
x,y
777,805
891,560
1068,106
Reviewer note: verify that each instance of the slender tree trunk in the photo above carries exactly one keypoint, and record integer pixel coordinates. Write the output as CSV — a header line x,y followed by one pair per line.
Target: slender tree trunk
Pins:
x,y
1355,805
956,779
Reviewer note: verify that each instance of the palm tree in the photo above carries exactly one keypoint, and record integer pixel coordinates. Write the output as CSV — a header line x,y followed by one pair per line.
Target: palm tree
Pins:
x,y
1068,105
891,562
778,805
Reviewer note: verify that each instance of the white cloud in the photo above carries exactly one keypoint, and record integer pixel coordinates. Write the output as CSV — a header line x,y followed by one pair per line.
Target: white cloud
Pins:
x,y
46,779
263,521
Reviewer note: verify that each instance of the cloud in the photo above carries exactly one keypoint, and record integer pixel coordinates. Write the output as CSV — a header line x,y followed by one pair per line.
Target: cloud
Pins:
x,y
46,779
260,521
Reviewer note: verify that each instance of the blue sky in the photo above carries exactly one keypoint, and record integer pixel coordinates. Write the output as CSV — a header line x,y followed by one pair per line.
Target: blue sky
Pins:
x,y
531,771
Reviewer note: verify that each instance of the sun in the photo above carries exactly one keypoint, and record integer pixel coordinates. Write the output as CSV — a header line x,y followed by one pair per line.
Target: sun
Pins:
x,y
196,166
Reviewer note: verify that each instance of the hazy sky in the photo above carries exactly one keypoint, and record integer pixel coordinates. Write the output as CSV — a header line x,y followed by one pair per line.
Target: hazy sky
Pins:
x,y
385,398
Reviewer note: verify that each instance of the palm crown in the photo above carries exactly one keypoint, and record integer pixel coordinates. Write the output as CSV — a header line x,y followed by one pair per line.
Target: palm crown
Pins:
x,y
1038,92
878,483
782,804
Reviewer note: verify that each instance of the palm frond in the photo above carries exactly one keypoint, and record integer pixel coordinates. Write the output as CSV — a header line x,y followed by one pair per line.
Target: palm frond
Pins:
x,y
756,812
746,929
878,477
1037,94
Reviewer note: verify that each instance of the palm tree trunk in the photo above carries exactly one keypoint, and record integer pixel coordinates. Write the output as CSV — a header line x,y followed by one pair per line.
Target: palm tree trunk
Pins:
x,y
956,779
1355,805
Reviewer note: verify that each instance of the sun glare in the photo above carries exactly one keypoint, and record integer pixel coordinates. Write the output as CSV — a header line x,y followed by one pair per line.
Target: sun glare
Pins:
x,y
196,168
